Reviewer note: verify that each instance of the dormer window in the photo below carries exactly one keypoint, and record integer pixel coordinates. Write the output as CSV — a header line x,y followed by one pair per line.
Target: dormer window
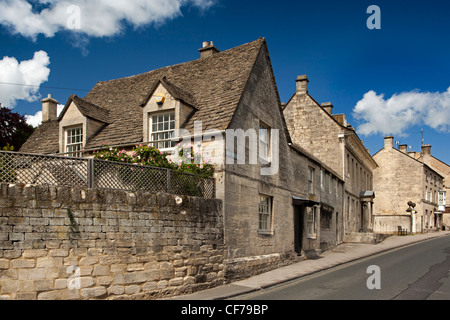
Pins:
x,y
74,141
162,128
166,110
78,121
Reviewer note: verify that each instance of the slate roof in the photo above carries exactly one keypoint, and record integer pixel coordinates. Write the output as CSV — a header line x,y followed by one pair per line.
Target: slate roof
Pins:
x,y
212,85
44,140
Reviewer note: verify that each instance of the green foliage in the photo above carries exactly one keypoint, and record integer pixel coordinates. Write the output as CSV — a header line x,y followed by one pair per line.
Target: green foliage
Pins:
x,y
191,162
112,154
8,147
148,155
14,130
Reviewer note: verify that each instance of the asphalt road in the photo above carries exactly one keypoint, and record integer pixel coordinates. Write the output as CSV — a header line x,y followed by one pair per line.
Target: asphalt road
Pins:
x,y
416,272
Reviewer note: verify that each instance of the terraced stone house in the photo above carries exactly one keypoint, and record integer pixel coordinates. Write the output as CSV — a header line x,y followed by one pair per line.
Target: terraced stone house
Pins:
x,y
332,140
404,177
269,219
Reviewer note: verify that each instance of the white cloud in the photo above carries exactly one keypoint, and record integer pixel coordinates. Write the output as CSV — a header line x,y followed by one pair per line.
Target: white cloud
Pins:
x,y
36,119
30,74
396,114
97,18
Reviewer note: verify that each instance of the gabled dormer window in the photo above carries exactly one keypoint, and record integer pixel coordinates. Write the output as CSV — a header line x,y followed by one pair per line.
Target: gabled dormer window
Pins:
x,y
74,141
166,109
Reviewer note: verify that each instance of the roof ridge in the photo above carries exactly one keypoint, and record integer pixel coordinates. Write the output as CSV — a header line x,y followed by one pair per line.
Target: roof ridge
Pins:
x,y
261,39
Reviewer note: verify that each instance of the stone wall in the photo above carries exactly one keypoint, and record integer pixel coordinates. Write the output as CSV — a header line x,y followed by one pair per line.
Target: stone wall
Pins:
x,y
69,243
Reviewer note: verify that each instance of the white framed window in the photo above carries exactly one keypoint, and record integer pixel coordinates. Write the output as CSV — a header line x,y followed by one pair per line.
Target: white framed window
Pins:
x,y
311,222
321,179
74,142
265,214
311,180
441,200
330,183
162,128
264,142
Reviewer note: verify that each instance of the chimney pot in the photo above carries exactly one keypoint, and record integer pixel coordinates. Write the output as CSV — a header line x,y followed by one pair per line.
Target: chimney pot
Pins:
x,y
302,84
208,49
388,142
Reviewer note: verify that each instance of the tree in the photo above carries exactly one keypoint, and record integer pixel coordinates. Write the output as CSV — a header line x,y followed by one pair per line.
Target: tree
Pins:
x,y
14,130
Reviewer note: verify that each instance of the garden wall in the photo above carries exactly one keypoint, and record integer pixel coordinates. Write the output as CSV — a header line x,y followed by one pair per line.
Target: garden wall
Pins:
x,y
80,243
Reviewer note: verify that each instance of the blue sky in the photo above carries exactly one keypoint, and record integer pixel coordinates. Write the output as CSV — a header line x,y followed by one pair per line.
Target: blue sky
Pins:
x,y
394,80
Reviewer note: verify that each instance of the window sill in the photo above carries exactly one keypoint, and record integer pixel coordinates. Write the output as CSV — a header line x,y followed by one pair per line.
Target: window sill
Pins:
x,y
265,162
312,236
266,232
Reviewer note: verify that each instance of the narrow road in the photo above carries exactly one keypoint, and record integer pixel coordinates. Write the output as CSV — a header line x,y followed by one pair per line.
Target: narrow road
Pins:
x,y
416,272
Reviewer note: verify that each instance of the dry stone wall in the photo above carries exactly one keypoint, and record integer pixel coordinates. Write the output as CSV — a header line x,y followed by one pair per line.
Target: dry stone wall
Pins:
x,y
74,243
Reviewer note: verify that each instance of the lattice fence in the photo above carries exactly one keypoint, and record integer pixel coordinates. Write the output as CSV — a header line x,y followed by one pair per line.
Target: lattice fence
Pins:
x,y
37,169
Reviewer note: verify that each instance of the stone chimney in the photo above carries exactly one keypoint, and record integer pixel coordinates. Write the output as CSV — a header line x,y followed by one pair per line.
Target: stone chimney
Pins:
x,y
403,148
412,154
426,152
208,49
328,107
302,84
49,109
388,142
341,118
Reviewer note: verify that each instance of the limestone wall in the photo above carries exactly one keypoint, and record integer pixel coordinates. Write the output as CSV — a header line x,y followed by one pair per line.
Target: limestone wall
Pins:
x,y
68,243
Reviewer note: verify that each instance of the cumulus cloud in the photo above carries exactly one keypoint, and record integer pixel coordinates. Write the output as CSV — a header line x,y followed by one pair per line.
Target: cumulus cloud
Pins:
x,y
396,114
21,80
96,18
36,119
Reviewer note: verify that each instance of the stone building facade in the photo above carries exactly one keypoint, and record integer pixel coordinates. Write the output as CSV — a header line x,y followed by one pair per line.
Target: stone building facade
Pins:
x,y
285,204
444,193
400,178
335,143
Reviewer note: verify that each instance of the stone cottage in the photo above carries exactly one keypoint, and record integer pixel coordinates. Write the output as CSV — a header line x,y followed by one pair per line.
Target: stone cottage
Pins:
x,y
279,205
404,177
335,143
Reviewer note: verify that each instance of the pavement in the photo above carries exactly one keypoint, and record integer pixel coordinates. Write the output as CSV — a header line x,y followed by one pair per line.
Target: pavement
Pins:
x,y
344,253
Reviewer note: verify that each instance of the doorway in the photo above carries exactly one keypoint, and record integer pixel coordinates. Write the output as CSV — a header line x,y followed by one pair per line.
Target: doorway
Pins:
x,y
298,228
338,235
